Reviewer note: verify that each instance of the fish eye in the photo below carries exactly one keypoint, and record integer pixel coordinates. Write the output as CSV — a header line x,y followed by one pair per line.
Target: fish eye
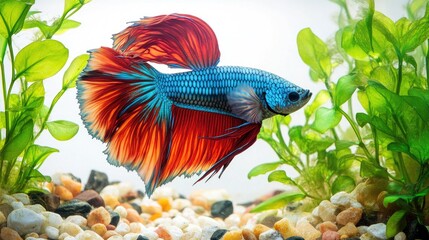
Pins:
x,y
293,96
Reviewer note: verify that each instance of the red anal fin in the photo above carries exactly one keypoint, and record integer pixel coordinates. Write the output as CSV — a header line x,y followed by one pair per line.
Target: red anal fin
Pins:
x,y
177,40
193,149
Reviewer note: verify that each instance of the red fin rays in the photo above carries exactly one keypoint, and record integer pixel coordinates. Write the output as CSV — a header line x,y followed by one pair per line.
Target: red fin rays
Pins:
x,y
120,106
195,146
177,40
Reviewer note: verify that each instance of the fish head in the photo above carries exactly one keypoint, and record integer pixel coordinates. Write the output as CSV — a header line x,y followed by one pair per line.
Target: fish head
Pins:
x,y
285,98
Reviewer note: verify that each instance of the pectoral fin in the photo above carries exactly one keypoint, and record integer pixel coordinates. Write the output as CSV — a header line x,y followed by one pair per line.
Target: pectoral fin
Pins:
x,y
245,103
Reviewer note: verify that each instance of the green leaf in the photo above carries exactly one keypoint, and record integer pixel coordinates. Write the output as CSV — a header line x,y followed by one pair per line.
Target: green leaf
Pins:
x,y
40,24
417,33
67,25
321,98
278,201
40,60
36,155
343,183
34,95
23,136
73,4
344,90
62,130
326,118
263,168
280,176
396,223
309,141
348,43
369,169
314,52
406,197
387,27
75,68
12,16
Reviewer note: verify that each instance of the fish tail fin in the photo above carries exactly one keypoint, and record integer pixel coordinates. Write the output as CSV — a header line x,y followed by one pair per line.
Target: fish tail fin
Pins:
x,y
109,85
120,105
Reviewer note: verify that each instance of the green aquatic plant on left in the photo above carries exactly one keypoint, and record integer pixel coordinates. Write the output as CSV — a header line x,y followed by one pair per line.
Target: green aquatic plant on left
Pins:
x,y
23,114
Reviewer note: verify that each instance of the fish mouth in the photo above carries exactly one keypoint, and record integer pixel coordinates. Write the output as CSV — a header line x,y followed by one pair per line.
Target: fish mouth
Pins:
x,y
306,96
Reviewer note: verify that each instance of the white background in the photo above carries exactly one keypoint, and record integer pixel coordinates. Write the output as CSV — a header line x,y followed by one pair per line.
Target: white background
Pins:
x,y
260,34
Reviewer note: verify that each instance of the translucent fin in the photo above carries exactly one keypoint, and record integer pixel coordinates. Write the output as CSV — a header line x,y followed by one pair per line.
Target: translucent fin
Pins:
x,y
245,103
177,40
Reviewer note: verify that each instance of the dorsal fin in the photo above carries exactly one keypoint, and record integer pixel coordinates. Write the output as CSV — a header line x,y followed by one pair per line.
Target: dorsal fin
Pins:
x,y
177,40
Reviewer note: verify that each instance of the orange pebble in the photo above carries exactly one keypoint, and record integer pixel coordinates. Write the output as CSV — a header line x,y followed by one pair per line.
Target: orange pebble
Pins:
x,y
111,201
165,203
73,186
99,228
260,228
233,235
155,216
126,205
110,227
163,233
63,193
110,233
133,215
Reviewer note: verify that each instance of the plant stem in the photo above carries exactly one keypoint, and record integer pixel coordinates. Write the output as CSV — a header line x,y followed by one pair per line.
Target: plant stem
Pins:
x,y
398,84
427,66
402,168
6,112
45,120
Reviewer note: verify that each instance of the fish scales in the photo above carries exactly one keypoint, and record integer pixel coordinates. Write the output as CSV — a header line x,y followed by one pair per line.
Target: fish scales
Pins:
x,y
207,88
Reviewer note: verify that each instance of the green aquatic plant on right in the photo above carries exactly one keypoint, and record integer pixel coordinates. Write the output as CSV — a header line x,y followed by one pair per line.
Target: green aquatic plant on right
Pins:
x,y
23,114
387,73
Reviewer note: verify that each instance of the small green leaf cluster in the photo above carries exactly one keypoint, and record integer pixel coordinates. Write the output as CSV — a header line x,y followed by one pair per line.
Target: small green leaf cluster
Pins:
x,y
24,115
388,76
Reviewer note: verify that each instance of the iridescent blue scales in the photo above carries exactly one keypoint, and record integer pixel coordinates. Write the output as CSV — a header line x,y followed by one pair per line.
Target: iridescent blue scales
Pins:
x,y
213,89
180,124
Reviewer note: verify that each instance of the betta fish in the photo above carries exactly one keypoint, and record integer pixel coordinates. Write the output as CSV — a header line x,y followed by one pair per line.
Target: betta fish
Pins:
x,y
185,123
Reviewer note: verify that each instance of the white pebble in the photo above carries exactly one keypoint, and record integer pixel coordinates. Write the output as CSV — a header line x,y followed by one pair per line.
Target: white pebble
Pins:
x,y
192,231
77,219
116,237
121,211
122,228
52,219
17,205
88,235
378,230
25,221
315,212
163,221
63,236
181,204
205,221
124,188
69,238
164,192
341,198
232,220
52,232
8,199
36,208
175,232
207,232
71,228
180,222
400,236
22,197
131,236
110,190
150,234
136,227
270,235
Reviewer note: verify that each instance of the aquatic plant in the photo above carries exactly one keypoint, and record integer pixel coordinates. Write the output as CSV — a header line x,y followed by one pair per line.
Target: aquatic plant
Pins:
x,y
24,115
387,66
